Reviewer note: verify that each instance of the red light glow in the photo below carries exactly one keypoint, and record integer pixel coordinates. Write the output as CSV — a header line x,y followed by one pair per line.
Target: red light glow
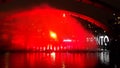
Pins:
x,y
44,29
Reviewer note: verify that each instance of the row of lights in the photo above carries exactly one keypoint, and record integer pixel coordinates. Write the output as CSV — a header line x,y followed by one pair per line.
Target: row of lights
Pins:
x,y
51,48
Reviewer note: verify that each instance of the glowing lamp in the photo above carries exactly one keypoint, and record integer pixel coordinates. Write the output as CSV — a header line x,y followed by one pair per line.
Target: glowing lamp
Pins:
x,y
53,35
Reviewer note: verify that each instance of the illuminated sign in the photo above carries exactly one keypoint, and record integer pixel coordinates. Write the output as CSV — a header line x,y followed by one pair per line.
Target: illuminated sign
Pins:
x,y
101,39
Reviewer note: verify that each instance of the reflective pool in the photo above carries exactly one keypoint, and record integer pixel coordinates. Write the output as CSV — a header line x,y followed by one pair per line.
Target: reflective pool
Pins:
x,y
56,60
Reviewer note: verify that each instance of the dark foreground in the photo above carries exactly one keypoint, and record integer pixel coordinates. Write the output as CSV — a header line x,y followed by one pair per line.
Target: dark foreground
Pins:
x,y
58,60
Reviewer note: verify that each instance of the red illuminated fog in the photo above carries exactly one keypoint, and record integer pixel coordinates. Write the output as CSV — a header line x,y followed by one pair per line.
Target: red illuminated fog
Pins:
x,y
41,29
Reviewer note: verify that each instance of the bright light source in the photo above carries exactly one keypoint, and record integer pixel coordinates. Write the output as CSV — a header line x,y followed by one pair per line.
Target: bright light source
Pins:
x,y
44,48
67,40
50,47
61,47
53,35
54,48
64,15
58,48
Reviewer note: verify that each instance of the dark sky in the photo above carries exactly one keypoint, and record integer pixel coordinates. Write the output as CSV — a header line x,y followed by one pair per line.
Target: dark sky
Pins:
x,y
71,5
17,4
114,3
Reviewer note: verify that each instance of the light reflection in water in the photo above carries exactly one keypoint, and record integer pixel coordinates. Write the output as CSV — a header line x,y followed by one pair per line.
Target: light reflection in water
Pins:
x,y
53,56
50,60
104,57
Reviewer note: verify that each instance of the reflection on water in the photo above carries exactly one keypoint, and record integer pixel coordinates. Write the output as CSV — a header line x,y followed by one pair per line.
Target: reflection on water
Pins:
x,y
104,57
53,60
